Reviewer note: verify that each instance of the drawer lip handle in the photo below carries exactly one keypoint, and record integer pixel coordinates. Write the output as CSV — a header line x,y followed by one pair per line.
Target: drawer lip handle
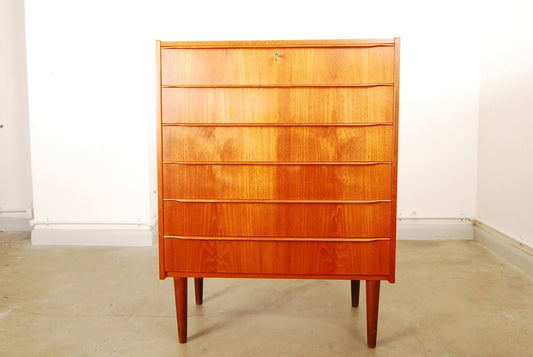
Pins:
x,y
280,85
256,201
282,239
281,163
276,125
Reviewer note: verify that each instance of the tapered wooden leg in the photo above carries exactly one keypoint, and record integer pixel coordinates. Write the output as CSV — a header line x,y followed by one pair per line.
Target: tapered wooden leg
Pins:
x,y
355,284
180,293
372,306
199,290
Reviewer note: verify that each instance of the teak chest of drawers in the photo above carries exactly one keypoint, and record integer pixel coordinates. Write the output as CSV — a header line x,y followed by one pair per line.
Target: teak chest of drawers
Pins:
x,y
278,159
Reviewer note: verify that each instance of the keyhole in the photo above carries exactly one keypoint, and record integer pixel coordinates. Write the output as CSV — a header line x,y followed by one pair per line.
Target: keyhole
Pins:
x,y
276,56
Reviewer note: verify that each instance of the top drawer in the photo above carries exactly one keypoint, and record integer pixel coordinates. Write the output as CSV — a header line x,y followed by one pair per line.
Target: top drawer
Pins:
x,y
271,66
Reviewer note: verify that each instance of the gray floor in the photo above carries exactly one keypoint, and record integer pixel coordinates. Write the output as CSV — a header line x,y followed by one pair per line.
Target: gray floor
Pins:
x,y
451,298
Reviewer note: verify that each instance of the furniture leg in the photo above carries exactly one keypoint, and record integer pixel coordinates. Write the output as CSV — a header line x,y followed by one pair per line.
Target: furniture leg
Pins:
x,y
372,306
180,292
355,284
199,290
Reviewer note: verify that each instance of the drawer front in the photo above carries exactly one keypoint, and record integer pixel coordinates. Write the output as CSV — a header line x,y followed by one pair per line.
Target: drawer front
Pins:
x,y
278,182
277,257
369,143
278,105
261,66
256,219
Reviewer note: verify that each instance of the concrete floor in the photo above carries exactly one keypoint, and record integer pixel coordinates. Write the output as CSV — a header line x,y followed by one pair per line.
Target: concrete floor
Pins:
x,y
451,298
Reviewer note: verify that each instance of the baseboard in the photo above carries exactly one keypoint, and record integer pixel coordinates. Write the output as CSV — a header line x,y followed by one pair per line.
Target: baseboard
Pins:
x,y
15,224
435,229
95,237
505,246
508,248
48,233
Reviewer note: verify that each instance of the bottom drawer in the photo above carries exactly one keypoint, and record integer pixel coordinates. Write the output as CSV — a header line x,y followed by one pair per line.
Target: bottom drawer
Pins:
x,y
217,256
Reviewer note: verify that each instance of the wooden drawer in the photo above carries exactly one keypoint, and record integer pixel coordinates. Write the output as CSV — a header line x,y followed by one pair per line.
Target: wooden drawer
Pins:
x,y
267,219
308,143
278,182
278,105
259,66
277,257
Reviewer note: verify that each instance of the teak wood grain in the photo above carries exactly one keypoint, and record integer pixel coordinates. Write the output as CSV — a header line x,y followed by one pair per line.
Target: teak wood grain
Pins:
x,y
277,219
296,105
244,66
279,181
278,159
222,257
371,143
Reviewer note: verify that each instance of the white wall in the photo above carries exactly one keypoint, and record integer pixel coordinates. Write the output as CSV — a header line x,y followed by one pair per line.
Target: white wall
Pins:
x,y
92,96
15,169
92,110
505,185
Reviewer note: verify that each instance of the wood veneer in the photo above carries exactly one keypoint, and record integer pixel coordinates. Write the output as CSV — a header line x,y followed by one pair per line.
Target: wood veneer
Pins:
x,y
259,66
290,105
271,143
277,181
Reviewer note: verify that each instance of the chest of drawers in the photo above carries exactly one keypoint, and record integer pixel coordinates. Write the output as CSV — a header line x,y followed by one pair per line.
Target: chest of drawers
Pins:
x,y
278,159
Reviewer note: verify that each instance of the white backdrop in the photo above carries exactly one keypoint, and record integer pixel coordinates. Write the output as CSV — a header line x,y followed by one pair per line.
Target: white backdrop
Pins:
x,y
505,178
15,169
91,70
